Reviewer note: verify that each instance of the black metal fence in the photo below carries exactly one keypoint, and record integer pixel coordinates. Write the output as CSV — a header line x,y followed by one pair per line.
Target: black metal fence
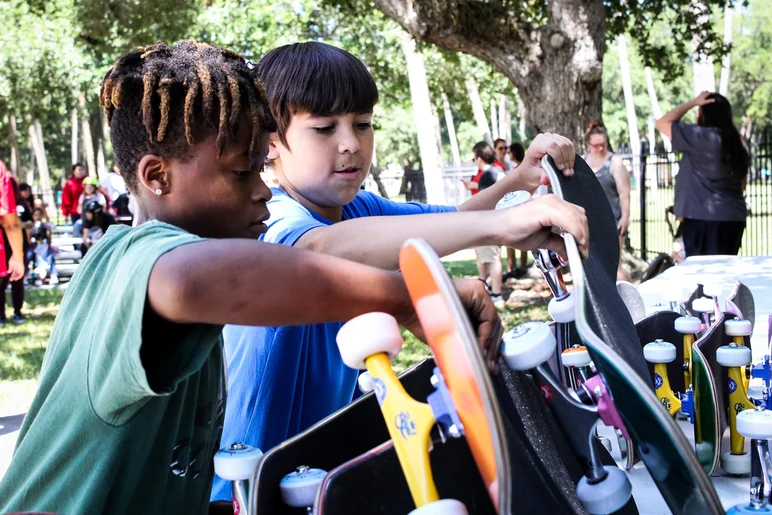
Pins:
x,y
653,193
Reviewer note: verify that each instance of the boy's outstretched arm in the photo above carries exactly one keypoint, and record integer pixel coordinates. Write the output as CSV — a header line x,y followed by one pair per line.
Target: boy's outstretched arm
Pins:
x,y
528,175
376,240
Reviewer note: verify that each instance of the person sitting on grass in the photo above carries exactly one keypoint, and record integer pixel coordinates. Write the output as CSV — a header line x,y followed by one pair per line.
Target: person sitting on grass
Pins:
x,y
129,411
95,223
41,253
281,380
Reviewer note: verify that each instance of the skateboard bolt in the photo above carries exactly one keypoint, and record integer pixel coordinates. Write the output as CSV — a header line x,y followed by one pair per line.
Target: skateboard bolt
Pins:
x,y
302,469
453,431
435,380
238,446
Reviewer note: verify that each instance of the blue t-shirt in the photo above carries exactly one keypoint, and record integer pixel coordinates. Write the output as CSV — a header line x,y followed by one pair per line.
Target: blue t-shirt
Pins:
x,y
282,380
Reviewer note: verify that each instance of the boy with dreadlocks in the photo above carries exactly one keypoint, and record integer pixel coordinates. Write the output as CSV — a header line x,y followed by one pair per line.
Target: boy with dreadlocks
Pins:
x,y
129,411
282,380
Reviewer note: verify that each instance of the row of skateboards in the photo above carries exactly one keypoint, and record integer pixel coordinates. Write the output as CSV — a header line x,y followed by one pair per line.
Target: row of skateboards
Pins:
x,y
447,437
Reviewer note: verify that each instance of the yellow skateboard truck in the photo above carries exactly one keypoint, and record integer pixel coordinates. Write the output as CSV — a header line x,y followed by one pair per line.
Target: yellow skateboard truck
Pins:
x,y
369,342
735,358
738,330
688,326
660,353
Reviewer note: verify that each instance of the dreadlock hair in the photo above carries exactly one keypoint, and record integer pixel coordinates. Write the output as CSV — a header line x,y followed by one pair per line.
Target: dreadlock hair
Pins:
x,y
315,78
164,99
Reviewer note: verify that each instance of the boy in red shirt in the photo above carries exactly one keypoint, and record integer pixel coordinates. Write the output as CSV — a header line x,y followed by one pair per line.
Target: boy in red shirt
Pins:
x,y
72,192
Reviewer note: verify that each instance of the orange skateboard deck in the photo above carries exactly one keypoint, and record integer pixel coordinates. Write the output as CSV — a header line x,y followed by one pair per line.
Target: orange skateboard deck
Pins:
x,y
459,358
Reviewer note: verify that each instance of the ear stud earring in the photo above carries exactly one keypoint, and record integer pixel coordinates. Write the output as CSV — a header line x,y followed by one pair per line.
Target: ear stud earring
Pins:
x,y
158,191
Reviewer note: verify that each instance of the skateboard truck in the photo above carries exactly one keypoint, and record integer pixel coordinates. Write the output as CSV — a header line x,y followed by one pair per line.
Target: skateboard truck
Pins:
x,y
756,424
660,353
763,371
368,342
734,357
688,326
443,408
738,330
298,489
604,489
237,463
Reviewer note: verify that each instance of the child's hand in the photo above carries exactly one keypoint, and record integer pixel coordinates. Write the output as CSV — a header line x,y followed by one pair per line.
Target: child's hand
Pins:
x,y
530,172
483,315
529,226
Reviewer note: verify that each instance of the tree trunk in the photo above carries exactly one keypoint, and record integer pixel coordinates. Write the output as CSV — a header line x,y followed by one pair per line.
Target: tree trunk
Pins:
x,y
39,148
632,119
555,65
424,121
15,162
494,120
101,164
702,65
478,110
74,154
723,87
521,114
505,127
451,130
655,110
88,140
107,146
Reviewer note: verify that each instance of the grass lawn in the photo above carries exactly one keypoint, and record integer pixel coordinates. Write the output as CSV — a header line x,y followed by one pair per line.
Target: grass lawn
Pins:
x,y
22,346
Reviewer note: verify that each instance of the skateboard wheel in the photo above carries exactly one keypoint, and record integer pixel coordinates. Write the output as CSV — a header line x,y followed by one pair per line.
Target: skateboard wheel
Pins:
x,y
733,355
528,345
703,305
237,462
562,311
365,382
298,489
755,424
659,351
749,509
712,290
575,357
736,464
609,495
441,507
366,335
688,325
738,328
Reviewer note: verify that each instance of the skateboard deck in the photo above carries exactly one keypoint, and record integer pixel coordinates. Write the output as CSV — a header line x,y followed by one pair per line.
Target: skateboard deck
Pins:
x,y
607,330
742,297
662,325
709,380
342,436
632,299
458,356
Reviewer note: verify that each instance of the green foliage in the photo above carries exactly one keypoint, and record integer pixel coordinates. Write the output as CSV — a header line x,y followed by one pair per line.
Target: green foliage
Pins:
x,y
750,89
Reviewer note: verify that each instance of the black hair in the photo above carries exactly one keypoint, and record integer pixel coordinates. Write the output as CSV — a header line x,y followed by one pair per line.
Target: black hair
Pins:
x,y
315,78
25,187
77,165
718,115
484,152
518,151
497,141
163,99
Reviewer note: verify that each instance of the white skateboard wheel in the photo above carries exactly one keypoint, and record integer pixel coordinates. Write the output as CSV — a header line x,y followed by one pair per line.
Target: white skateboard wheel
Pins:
x,y
298,489
733,355
703,305
562,311
365,382
441,507
607,496
688,325
528,345
659,351
736,464
513,198
237,462
738,328
755,424
368,334
575,357
712,290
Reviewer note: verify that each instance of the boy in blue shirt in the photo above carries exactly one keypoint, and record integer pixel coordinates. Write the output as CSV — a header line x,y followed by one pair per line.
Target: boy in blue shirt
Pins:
x,y
281,380
129,410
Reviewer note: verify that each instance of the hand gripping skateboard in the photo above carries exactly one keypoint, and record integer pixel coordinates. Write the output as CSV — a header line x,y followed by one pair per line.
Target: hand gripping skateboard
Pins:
x,y
608,332
463,404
